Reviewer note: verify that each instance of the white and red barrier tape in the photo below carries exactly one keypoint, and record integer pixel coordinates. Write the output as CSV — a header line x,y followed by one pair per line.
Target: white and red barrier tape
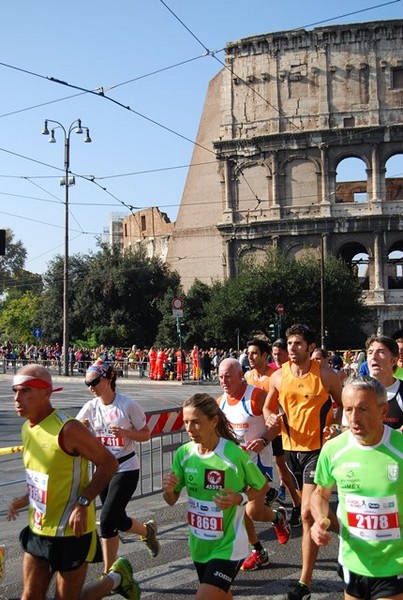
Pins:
x,y
165,422
158,423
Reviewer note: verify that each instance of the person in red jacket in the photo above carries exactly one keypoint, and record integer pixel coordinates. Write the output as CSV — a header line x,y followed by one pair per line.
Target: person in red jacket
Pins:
x,y
195,363
159,366
152,355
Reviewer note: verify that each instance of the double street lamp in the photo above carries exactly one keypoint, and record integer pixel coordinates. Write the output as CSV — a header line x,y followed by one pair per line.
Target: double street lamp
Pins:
x,y
66,181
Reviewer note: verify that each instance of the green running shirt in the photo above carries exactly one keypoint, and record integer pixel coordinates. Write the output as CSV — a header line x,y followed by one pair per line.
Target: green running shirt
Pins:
x,y
215,533
370,509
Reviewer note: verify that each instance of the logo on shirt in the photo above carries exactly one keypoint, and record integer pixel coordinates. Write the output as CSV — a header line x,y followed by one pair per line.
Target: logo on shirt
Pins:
x,y
393,472
213,479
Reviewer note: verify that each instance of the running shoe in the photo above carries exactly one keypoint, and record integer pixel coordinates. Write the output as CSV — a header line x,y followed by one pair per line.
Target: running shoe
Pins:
x,y
282,529
281,494
271,496
255,561
299,592
295,519
150,539
128,587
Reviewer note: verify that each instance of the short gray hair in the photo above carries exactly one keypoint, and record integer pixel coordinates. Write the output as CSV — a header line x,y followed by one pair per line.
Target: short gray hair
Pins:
x,y
365,382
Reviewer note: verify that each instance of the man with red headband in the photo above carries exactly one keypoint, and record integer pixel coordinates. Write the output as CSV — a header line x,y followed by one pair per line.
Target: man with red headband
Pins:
x,y
61,536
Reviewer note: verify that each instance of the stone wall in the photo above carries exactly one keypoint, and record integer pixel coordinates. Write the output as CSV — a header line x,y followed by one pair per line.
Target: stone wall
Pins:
x,y
280,117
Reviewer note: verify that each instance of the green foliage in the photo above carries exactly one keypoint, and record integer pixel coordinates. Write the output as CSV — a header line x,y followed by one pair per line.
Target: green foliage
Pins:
x,y
125,300
19,317
213,314
114,299
167,334
14,279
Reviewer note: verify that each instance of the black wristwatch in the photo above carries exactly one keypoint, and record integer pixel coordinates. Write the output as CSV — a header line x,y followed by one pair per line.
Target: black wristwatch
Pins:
x,y
83,501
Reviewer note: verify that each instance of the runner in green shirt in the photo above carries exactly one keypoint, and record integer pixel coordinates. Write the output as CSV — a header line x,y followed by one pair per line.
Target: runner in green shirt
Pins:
x,y
364,462
220,479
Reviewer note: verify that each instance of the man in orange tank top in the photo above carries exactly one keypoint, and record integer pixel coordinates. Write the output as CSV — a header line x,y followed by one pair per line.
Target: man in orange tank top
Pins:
x,y
300,398
258,353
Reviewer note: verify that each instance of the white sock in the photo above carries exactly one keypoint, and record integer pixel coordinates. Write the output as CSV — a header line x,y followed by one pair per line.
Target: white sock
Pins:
x,y
116,578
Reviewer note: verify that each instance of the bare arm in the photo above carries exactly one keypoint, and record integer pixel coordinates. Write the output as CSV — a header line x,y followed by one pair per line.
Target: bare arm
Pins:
x,y
76,439
169,481
333,385
16,505
320,510
271,406
141,435
259,443
226,497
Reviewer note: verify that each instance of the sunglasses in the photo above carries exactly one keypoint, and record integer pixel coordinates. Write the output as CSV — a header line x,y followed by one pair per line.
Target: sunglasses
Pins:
x,y
95,381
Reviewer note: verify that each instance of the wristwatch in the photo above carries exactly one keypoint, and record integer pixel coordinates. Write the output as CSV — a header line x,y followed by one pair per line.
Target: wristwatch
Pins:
x,y
83,501
244,500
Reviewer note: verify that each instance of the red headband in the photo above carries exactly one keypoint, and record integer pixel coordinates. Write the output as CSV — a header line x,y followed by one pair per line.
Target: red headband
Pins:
x,y
34,382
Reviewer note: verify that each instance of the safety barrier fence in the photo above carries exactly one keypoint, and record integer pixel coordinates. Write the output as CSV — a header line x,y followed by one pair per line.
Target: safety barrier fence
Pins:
x,y
123,368
167,433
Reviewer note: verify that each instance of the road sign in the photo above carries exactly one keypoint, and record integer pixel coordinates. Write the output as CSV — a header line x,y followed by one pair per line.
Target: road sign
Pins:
x,y
280,309
37,333
177,303
177,307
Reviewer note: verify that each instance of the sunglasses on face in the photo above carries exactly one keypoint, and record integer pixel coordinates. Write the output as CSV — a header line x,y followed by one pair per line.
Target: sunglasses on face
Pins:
x,y
94,382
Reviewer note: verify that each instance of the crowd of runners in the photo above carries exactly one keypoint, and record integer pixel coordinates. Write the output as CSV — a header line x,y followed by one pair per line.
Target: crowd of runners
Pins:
x,y
286,406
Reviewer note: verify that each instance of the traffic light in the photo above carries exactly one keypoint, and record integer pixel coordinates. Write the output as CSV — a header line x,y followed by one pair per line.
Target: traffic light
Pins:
x,y
2,242
272,331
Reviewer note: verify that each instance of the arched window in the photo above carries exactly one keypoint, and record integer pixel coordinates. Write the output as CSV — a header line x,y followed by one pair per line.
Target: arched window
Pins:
x,y
351,181
357,258
395,266
394,178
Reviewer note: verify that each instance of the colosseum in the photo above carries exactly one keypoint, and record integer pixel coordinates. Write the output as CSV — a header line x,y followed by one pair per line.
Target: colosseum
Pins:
x,y
281,120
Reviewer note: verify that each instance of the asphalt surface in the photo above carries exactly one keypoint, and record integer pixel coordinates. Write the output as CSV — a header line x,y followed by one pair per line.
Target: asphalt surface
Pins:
x,y
171,575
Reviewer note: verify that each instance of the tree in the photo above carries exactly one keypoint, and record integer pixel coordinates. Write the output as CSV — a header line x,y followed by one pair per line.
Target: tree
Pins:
x,y
50,314
123,296
114,299
249,301
19,317
14,279
14,258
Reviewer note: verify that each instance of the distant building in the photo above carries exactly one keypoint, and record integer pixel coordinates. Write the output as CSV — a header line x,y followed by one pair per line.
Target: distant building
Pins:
x,y
288,108
149,228
112,235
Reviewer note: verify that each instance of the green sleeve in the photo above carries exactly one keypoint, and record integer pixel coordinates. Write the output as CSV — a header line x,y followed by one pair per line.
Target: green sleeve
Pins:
x,y
178,470
323,471
254,476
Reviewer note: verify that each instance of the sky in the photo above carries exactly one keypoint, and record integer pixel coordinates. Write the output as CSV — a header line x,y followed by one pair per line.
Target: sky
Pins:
x,y
138,72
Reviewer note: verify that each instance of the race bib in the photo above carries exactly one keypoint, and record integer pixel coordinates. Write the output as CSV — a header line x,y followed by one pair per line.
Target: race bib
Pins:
x,y
370,518
38,494
111,441
205,519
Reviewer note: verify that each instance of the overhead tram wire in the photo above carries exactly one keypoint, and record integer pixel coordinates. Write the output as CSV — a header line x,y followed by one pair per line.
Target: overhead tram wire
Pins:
x,y
90,178
116,175
100,91
30,219
101,94
349,14
279,112
213,54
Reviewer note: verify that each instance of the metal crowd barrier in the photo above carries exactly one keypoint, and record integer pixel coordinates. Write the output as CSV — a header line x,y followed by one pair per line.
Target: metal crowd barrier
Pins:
x,y
156,455
123,368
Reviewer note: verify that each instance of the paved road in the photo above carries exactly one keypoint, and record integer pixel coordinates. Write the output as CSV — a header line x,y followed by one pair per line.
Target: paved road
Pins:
x,y
171,575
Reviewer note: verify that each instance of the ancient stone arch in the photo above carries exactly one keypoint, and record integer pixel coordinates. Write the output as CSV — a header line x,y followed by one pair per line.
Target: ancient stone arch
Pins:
x,y
283,114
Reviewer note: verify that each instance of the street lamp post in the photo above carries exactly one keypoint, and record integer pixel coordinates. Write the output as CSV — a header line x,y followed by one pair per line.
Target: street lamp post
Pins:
x,y
77,127
322,293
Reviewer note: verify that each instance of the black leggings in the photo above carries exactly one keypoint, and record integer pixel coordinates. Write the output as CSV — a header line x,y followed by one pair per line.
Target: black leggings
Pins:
x,y
115,497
